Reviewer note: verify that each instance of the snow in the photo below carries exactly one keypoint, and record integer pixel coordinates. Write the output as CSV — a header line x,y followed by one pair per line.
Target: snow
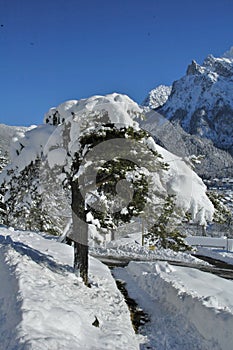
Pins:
x,y
157,97
43,305
188,309
179,179
57,157
201,101
188,187
29,145
213,242
79,117
121,109
130,248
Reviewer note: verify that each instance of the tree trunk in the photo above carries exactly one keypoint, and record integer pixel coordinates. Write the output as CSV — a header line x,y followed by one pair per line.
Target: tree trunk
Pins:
x,y
81,260
80,232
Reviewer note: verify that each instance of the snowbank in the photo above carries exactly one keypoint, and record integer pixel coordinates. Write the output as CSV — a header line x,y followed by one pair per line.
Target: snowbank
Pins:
x,y
189,309
131,248
43,305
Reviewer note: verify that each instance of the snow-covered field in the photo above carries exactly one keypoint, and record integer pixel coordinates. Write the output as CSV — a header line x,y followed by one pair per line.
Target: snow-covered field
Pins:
x,y
43,305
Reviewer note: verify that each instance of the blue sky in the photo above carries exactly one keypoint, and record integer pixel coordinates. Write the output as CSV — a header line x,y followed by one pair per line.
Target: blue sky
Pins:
x,y
55,50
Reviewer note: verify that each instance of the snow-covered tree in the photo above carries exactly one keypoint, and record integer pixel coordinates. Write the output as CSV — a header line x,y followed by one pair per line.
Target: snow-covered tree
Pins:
x,y
95,150
3,163
3,160
119,191
164,232
223,217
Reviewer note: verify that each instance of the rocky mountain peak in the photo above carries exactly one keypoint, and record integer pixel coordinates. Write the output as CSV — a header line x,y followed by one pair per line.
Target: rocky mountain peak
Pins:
x,y
201,103
223,66
157,97
194,68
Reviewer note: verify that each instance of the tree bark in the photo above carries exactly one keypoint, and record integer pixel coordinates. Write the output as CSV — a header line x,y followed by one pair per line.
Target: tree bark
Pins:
x,y
81,261
80,232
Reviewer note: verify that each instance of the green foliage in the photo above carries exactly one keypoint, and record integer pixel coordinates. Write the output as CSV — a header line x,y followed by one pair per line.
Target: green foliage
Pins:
x,y
30,202
222,214
164,233
117,169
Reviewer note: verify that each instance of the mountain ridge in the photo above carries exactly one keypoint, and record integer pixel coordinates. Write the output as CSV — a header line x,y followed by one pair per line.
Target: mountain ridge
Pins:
x,y
200,107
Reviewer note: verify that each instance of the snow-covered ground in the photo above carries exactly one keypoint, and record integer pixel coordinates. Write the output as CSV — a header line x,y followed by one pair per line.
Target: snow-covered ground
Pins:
x,y
131,248
188,309
43,305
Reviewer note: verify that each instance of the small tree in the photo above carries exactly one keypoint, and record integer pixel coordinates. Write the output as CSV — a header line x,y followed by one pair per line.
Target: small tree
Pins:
x,y
222,215
164,232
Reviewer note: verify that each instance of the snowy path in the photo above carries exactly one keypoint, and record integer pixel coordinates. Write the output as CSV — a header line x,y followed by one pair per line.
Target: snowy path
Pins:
x,y
44,306
10,304
187,308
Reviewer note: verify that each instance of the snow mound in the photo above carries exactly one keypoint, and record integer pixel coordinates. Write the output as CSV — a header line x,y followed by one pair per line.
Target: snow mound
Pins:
x,y
44,306
189,309
120,108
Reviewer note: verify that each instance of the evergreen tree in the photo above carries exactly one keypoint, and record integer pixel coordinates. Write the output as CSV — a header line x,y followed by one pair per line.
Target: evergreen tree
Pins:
x,y
103,201
164,232
54,166
3,160
34,201
3,163
223,217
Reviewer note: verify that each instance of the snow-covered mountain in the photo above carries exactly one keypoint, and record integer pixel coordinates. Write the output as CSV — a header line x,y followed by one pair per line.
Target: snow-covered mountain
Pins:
x,y
201,103
215,161
157,97
202,100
